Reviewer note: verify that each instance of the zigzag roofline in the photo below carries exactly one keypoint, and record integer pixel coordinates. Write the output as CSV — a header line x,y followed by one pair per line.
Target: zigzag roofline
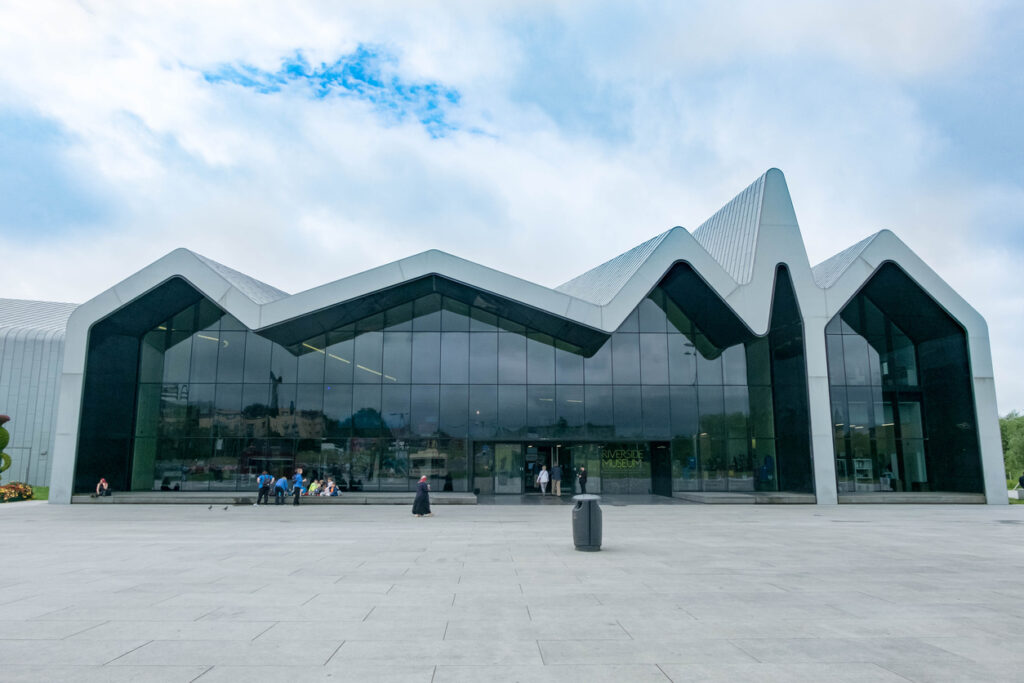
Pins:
x,y
736,251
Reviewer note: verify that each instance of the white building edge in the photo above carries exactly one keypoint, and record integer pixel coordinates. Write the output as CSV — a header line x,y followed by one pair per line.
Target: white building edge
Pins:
x,y
736,252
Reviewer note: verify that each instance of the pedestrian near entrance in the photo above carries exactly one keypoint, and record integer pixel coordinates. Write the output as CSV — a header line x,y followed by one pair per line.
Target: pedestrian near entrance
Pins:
x,y
264,481
556,479
280,490
542,479
421,505
581,477
297,488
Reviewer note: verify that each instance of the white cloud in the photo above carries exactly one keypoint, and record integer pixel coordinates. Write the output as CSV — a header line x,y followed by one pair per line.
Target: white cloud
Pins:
x,y
298,191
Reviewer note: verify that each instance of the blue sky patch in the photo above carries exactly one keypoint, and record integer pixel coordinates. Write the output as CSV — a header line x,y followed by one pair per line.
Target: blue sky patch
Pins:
x,y
369,74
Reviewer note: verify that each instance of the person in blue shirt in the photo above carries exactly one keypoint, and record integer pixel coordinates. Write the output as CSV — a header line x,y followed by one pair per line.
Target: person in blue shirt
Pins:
x,y
264,481
297,487
280,490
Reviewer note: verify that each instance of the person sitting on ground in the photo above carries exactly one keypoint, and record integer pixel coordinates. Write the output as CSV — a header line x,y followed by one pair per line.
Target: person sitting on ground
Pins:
x,y
102,488
314,486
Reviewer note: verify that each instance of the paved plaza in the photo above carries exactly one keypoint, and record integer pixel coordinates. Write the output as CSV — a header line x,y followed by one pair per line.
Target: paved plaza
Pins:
x,y
497,593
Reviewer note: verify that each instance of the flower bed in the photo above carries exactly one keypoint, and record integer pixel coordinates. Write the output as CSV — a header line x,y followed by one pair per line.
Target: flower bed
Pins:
x,y
10,493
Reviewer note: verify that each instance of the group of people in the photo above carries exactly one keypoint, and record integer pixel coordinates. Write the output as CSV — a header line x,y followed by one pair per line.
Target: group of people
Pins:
x,y
283,487
554,477
318,487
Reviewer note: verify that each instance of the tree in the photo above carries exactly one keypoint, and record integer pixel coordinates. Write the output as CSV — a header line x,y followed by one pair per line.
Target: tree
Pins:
x,y
1011,428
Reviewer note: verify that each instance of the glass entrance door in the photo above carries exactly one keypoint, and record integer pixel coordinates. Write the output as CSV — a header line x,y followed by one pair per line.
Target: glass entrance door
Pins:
x,y
508,468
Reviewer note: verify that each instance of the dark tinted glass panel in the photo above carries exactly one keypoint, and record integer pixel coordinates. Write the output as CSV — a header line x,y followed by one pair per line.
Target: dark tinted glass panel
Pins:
x,y
395,409
373,323
631,323
363,466
855,351
309,404
599,411
283,364
366,418
511,409
482,321
178,344
483,411
399,318
257,358
628,414
651,317
483,358
454,357
454,410
540,353
711,404
425,409
311,361
734,365
394,466
231,357
338,361
428,313
229,322
454,316
200,409
709,370
571,417
255,408
598,368
761,413
397,357
426,357
656,412
511,359
568,366
541,409
626,358
654,358
368,360
205,345
759,371
684,411
737,411
834,347
682,360
228,411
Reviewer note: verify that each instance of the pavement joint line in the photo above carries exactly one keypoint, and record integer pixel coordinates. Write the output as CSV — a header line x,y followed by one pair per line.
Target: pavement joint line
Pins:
x,y
208,670
663,672
103,623
541,653
327,661
369,613
626,631
445,636
314,597
127,653
264,631
433,674
206,614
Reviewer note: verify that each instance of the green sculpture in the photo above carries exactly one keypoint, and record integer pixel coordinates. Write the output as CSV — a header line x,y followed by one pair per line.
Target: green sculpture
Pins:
x,y
5,438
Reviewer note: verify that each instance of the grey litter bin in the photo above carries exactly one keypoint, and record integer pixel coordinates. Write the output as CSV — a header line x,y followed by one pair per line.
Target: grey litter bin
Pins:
x,y
586,522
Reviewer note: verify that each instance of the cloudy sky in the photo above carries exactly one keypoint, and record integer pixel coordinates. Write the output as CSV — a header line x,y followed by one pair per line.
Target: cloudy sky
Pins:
x,y
303,142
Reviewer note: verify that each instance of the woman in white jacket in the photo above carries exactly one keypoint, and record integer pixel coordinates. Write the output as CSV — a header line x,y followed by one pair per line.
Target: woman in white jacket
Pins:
x,y
543,477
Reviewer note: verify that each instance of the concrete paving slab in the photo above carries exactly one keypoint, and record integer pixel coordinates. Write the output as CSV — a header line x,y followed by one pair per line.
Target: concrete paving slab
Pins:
x,y
679,592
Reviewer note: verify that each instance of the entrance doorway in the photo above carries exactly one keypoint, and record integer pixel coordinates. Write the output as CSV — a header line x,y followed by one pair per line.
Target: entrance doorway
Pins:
x,y
661,468
547,455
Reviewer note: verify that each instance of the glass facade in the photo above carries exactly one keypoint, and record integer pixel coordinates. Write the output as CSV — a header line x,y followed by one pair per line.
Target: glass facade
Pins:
x,y
681,397
902,406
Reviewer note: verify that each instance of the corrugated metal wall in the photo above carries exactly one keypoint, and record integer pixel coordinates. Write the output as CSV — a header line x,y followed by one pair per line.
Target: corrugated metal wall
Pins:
x,y
30,367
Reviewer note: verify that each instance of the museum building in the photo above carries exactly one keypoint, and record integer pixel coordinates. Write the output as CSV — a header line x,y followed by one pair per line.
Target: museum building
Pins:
x,y
711,362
